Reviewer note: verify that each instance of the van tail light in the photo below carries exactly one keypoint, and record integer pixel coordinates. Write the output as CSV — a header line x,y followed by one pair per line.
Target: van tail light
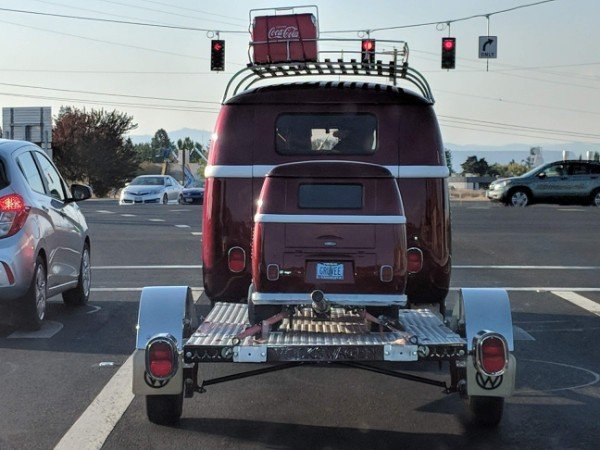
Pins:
x,y
386,274
236,259
414,259
13,214
272,272
161,357
491,353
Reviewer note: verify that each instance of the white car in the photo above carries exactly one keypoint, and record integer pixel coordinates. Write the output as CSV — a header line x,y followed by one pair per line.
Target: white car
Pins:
x,y
151,189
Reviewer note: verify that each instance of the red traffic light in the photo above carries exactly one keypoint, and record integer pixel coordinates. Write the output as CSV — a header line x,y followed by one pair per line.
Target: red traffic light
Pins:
x,y
217,46
368,45
448,44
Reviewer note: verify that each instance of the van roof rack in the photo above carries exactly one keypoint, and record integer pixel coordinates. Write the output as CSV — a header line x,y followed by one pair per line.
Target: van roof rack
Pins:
x,y
254,73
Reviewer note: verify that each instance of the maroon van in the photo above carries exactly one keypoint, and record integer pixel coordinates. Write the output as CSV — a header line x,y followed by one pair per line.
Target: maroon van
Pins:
x,y
328,228
264,127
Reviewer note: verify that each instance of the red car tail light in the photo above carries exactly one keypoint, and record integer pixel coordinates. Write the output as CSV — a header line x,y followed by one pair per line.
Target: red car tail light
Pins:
x,y
414,258
386,274
236,259
161,357
491,353
13,214
272,272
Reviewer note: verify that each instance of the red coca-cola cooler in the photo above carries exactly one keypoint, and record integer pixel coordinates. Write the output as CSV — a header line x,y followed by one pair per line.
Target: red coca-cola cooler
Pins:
x,y
284,38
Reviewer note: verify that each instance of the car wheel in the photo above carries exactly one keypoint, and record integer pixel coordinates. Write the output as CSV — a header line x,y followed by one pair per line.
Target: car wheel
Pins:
x,y
180,199
165,199
486,411
596,198
519,198
80,294
164,409
34,302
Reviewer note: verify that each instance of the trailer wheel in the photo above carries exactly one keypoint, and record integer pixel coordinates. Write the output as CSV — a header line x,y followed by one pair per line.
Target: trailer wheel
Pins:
x,y
164,409
258,313
486,411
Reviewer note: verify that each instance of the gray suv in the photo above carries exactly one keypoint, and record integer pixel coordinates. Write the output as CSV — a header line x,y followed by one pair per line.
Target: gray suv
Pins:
x,y
44,242
557,182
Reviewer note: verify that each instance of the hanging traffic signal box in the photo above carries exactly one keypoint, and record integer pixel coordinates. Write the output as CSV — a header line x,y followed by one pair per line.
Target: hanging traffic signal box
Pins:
x,y
448,53
367,51
217,55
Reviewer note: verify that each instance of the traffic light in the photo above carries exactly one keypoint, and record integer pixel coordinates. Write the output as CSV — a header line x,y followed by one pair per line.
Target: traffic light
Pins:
x,y
367,51
448,53
217,55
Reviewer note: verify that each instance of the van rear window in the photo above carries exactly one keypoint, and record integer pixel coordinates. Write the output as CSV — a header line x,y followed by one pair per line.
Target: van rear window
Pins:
x,y
330,196
326,134
3,178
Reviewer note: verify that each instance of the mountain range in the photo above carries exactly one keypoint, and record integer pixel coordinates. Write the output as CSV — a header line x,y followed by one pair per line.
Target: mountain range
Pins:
x,y
492,154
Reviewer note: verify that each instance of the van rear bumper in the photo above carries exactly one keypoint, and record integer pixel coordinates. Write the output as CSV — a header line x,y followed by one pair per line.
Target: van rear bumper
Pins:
x,y
261,298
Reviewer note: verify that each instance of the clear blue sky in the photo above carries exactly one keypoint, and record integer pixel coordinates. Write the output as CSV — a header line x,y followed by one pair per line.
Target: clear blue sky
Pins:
x,y
547,75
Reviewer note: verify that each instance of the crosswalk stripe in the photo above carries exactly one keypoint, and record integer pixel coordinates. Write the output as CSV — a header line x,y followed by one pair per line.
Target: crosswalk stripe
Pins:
x,y
579,300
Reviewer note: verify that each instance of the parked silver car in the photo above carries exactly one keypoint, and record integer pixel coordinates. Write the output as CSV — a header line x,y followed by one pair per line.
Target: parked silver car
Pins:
x,y
151,189
44,241
556,182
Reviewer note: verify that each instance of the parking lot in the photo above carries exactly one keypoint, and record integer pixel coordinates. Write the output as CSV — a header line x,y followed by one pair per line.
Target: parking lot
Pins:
x,y
546,256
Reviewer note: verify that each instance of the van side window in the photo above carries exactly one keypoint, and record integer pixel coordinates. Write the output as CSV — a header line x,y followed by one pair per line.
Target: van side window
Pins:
x,y
31,173
326,134
330,196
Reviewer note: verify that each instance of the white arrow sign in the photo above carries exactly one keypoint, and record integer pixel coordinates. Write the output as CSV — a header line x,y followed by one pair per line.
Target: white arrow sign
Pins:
x,y
488,46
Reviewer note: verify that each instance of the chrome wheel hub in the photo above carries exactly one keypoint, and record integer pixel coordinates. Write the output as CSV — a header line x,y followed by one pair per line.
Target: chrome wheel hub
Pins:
x,y
597,199
40,292
519,199
86,272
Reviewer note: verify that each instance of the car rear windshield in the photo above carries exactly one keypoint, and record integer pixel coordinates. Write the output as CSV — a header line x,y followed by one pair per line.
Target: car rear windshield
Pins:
x,y
3,178
330,196
148,181
326,134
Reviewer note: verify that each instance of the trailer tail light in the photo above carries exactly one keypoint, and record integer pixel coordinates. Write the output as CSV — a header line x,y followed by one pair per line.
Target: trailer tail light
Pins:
x,y
272,272
13,214
161,357
491,353
414,258
236,259
386,274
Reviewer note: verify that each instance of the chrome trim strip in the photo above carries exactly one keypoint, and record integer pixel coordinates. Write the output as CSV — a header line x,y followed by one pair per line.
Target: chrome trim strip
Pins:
x,y
261,298
259,171
327,218
62,286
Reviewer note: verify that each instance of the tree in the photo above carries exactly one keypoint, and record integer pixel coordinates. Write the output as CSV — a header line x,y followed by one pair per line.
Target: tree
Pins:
x,y
145,152
476,166
161,142
448,155
91,147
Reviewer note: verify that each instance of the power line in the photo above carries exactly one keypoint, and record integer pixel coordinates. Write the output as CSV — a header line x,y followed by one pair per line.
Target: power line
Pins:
x,y
194,10
487,130
113,72
448,21
122,22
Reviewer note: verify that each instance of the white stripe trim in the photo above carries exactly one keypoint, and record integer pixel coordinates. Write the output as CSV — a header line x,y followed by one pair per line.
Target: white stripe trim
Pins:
x,y
260,171
313,218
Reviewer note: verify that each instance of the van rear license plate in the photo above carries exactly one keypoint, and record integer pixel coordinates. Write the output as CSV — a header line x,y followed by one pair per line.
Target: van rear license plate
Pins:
x,y
330,271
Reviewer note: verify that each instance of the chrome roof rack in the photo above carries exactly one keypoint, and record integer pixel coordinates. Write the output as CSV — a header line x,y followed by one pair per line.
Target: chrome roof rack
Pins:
x,y
393,71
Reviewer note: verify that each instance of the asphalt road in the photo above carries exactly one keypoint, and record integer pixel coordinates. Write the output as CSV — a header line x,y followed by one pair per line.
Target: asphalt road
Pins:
x,y
542,254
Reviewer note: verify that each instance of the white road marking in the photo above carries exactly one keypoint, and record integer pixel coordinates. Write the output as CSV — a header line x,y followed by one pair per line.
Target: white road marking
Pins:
x,y
196,233
532,289
156,220
180,210
595,377
49,329
183,226
98,420
148,267
94,310
509,267
128,215
580,301
569,209
135,289
103,211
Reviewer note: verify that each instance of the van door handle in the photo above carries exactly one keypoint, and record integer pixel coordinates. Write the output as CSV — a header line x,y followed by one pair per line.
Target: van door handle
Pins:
x,y
45,208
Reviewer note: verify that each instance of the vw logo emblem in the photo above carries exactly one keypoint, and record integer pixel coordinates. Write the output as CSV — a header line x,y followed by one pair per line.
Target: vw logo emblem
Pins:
x,y
153,383
488,383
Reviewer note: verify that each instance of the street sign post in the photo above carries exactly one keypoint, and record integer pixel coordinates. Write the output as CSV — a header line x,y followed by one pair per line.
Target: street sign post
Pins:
x,y
488,47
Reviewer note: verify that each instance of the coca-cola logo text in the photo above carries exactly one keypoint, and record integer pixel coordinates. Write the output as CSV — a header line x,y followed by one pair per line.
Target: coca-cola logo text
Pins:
x,y
284,32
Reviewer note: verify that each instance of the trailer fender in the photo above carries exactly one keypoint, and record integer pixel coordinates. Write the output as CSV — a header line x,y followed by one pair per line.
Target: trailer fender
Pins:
x,y
484,309
163,310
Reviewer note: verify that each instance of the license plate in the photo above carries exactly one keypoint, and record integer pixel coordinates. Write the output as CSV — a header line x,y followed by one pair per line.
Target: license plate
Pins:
x,y
189,199
330,271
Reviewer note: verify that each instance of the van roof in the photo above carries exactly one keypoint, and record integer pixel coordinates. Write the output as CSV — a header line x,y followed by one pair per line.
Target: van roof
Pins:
x,y
329,169
328,92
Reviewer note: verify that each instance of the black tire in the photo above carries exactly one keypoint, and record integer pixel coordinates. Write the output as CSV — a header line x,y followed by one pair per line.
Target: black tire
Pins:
x,y
391,312
165,199
164,409
486,411
34,303
258,313
595,198
80,294
180,200
519,198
